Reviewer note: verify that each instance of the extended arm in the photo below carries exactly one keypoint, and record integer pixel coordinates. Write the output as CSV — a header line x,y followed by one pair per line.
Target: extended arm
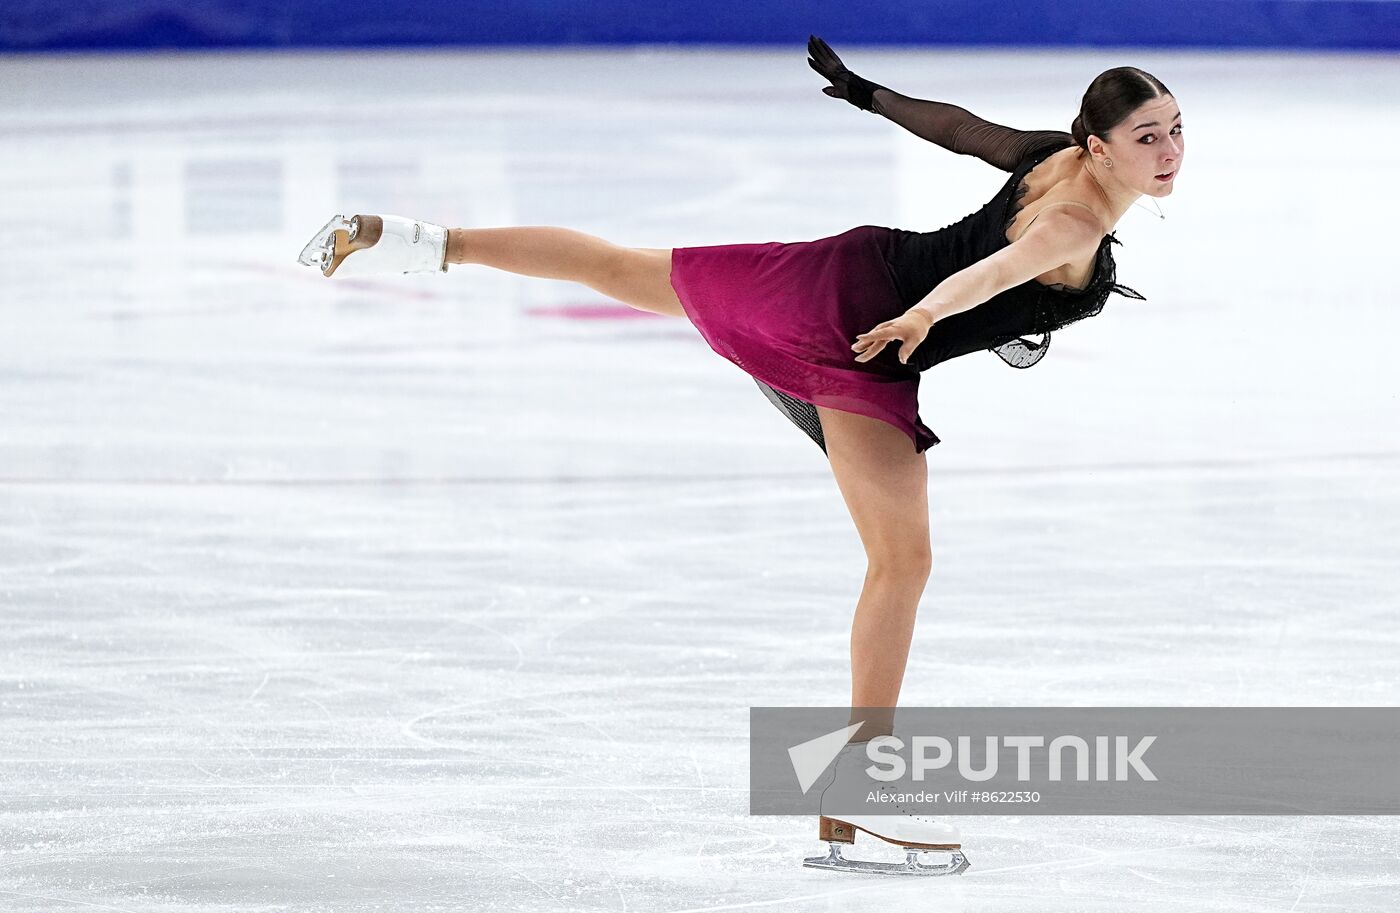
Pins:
x,y
950,126
1052,241
959,130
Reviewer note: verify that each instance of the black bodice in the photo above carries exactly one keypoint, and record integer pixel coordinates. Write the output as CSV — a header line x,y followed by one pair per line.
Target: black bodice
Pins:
x,y
919,261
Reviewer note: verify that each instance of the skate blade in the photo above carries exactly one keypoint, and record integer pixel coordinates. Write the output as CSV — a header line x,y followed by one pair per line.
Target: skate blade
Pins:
x,y
320,248
910,866
338,239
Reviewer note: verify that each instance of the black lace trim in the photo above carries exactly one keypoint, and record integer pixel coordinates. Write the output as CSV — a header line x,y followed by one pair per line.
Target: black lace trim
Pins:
x,y
1057,307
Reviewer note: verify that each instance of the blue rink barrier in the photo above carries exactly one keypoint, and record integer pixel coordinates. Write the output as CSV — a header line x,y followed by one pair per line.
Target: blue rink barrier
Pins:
x,y
48,25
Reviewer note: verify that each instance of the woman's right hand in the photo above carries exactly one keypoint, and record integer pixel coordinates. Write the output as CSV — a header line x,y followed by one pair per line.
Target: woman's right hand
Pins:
x,y
910,329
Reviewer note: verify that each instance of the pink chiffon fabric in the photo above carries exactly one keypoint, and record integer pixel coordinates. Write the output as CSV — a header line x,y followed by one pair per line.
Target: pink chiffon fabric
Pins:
x,y
788,313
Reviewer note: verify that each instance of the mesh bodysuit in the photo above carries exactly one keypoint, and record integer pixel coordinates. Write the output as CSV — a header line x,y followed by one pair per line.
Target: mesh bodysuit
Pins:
x,y
919,261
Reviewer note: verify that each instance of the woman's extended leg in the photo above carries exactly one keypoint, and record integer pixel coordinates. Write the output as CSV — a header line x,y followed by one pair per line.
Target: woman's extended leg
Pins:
x,y
885,486
636,276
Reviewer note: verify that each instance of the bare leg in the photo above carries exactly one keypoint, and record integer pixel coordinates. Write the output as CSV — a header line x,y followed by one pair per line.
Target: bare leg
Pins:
x,y
636,276
885,486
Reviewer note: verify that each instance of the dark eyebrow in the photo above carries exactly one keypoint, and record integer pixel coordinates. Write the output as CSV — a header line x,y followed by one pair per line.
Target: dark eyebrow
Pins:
x,y
1153,123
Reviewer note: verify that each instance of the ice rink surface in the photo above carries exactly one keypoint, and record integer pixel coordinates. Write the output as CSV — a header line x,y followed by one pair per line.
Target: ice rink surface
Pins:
x,y
453,592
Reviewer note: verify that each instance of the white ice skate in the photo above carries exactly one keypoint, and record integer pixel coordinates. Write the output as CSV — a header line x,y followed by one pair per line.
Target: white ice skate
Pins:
x,y
917,834
380,245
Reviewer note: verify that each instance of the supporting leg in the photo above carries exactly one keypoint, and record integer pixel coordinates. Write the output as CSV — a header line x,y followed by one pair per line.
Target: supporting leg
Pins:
x,y
885,487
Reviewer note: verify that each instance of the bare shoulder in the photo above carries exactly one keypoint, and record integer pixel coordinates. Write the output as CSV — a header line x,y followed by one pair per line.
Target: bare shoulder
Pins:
x,y
1065,225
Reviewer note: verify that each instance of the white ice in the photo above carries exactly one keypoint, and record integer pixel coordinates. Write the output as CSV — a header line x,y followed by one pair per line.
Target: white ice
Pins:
x,y
453,592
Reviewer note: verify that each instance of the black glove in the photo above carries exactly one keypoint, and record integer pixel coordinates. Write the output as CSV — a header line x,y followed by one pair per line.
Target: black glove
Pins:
x,y
844,83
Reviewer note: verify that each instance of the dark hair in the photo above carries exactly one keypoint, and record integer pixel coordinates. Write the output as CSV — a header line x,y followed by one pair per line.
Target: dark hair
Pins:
x,y
1111,97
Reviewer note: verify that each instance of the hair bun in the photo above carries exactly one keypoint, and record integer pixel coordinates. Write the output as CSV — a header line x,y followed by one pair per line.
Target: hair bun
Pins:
x,y
1112,96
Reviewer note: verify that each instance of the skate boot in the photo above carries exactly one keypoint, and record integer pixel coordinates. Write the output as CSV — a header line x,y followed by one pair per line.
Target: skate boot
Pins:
x,y
376,246
841,817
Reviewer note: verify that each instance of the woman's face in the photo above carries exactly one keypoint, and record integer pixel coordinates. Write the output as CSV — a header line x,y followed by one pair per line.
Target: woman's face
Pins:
x,y
1147,143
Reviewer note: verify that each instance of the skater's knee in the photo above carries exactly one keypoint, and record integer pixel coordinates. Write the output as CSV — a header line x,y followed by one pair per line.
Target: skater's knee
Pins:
x,y
615,266
641,277
907,566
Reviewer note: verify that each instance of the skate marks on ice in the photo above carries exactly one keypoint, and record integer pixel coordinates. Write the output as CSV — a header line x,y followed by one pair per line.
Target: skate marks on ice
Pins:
x,y
282,672
1237,863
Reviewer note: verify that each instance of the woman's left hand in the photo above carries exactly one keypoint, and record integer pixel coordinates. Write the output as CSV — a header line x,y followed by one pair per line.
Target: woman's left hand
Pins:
x,y
910,329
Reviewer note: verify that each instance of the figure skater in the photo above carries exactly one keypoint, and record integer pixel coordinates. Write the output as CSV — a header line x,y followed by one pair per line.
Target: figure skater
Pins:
x,y
836,331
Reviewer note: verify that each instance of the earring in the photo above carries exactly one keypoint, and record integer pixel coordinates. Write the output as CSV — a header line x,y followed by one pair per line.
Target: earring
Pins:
x,y
1108,163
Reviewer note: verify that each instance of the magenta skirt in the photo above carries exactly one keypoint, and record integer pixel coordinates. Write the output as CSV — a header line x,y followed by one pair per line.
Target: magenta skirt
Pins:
x,y
788,314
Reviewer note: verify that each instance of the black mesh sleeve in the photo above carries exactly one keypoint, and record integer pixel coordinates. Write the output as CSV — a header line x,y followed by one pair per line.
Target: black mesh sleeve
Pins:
x,y
959,130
